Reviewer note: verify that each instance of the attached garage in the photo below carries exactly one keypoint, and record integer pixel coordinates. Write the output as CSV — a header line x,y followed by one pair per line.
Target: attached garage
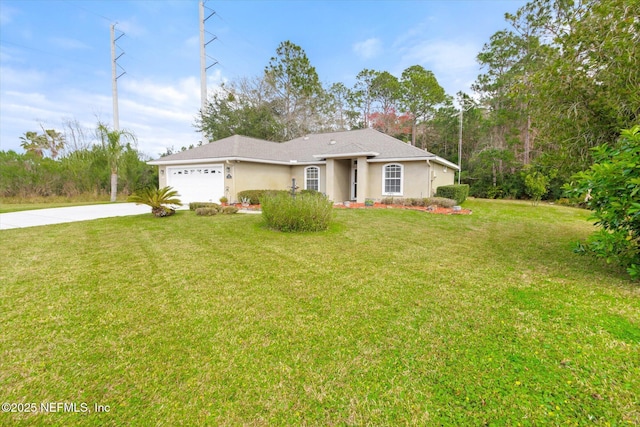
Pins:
x,y
197,183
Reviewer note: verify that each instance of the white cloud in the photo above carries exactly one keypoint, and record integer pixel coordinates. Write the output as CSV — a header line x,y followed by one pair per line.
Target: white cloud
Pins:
x,y
170,96
15,79
442,55
368,49
160,114
453,62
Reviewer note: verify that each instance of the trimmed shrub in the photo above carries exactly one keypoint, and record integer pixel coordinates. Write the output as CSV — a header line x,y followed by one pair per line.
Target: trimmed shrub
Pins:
x,y
229,210
206,211
457,192
195,205
440,201
305,212
387,201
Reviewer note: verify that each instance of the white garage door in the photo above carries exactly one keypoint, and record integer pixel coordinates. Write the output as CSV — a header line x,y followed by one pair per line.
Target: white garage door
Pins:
x,y
197,183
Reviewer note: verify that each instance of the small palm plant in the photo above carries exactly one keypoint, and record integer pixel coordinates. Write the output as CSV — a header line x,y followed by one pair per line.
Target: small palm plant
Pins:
x,y
158,199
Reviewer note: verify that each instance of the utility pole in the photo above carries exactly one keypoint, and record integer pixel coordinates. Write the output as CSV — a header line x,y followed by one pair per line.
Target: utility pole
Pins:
x,y
203,60
463,104
460,143
115,76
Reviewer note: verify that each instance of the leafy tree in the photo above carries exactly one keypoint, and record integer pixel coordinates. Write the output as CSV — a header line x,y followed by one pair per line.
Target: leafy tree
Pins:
x,y
342,113
112,145
385,89
420,94
589,87
611,187
394,124
493,173
535,184
296,88
363,95
159,200
233,113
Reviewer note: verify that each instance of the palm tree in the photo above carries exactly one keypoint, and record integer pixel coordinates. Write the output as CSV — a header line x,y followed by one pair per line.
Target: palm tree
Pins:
x,y
54,140
34,143
157,199
113,147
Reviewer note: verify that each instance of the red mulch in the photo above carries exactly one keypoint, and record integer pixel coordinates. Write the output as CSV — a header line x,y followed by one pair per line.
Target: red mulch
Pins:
x,y
352,205
435,210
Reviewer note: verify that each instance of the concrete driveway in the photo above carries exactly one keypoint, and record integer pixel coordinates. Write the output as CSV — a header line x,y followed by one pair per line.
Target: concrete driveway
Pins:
x,y
37,217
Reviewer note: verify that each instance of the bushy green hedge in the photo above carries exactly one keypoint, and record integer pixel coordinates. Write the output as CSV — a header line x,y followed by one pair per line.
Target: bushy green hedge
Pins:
x,y
195,205
255,196
305,212
456,192
211,211
206,211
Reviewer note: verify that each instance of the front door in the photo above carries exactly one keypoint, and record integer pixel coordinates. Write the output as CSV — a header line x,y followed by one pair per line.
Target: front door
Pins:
x,y
354,179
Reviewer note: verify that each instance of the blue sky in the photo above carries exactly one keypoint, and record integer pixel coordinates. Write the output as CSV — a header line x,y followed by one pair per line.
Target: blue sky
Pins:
x,y
55,58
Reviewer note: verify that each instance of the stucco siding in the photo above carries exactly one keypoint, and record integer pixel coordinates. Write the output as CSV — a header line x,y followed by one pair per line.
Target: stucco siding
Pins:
x,y
255,176
342,181
415,180
443,176
298,172
162,176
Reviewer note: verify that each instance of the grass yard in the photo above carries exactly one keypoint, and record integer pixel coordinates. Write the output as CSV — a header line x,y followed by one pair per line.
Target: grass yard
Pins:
x,y
16,204
392,317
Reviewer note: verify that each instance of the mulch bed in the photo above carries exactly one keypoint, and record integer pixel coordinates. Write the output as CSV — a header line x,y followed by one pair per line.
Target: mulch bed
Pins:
x,y
430,209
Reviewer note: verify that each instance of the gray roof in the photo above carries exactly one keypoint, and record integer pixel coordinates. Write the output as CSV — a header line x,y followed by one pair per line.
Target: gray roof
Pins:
x,y
313,148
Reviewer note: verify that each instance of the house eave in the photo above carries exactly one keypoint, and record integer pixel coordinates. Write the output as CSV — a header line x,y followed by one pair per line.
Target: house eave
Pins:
x,y
230,159
400,159
346,155
447,163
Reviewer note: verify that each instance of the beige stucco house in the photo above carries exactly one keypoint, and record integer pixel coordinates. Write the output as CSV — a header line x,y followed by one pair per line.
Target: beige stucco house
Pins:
x,y
346,166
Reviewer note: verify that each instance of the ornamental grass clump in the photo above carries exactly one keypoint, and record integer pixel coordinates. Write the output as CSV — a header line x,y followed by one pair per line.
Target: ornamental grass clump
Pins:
x,y
304,212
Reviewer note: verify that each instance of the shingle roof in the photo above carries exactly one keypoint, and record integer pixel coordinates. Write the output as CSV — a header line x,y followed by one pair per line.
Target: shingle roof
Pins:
x,y
307,149
228,148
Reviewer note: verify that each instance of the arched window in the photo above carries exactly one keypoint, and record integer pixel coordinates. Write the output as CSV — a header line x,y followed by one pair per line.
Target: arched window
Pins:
x,y
312,178
392,180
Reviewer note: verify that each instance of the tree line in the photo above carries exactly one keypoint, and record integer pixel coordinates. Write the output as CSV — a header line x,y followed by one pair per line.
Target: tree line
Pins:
x,y
560,79
75,162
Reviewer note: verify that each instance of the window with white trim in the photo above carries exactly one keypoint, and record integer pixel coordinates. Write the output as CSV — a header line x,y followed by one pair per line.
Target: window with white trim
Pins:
x,y
312,178
392,180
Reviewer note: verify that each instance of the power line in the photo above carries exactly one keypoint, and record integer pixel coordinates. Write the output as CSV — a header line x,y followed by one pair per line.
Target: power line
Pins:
x,y
90,11
67,59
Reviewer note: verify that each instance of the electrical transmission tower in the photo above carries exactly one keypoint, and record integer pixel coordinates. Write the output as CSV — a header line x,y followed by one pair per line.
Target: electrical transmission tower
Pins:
x,y
205,38
114,74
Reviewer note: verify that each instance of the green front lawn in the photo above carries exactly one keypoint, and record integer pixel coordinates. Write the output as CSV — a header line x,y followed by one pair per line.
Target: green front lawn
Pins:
x,y
392,317
18,207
